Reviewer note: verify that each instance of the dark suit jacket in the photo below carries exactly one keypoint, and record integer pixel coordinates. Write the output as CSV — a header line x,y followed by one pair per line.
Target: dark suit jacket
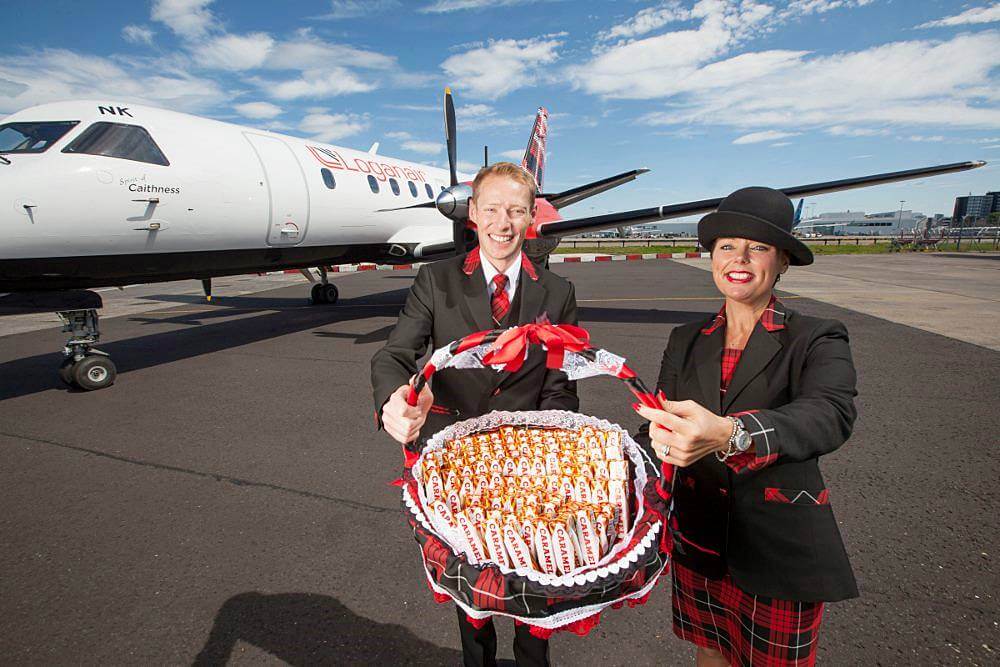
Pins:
x,y
449,300
771,528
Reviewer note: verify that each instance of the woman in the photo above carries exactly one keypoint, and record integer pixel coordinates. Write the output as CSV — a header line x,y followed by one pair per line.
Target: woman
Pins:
x,y
757,394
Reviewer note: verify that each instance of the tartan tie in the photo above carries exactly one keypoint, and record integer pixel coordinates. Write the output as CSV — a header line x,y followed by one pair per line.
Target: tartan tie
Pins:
x,y
499,304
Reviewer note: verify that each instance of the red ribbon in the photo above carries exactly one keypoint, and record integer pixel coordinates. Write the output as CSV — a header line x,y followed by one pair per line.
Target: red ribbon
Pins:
x,y
510,348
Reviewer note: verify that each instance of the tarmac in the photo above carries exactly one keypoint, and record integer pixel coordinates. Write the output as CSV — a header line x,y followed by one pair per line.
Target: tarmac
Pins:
x,y
228,499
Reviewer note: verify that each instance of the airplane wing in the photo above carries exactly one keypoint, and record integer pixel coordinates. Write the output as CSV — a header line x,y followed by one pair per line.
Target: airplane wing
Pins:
x,y
581,192
558,228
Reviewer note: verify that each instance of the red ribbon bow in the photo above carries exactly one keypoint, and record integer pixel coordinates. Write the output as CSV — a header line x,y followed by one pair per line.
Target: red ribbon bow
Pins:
x,y
510,348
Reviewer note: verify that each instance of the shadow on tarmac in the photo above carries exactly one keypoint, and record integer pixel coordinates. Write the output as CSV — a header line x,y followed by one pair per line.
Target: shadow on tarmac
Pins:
x,y
285,316
30,375
312,629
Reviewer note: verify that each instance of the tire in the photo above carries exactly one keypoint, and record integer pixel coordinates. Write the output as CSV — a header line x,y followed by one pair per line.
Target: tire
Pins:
x,y
94,372
317,294
66,371
330,293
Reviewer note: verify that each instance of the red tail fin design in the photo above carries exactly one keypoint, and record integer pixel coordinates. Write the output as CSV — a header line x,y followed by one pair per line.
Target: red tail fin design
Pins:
x,y
534,155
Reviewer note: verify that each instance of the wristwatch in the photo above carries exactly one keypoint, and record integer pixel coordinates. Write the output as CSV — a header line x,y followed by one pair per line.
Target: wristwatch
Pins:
x,y
740,439
739,442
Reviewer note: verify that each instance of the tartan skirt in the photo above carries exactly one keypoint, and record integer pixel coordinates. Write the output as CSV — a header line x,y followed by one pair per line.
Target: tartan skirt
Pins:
x,y
747,629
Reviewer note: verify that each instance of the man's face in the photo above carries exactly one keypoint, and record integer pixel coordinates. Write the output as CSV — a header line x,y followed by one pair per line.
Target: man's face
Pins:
x,y
502,210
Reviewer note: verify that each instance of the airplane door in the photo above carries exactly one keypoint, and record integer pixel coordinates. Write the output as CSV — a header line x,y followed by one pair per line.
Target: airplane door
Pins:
x,y
286,185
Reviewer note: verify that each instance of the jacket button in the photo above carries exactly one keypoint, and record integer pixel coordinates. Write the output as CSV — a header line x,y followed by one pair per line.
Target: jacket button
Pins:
x,y
723,491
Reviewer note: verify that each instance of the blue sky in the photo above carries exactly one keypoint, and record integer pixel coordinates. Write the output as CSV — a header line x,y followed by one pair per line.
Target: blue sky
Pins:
x,y
711,95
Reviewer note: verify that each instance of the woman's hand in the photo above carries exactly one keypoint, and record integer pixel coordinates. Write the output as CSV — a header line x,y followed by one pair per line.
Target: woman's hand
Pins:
x,y
684,432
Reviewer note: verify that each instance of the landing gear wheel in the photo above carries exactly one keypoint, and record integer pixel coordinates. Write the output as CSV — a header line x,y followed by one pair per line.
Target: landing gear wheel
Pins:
x,y
325,294
94,372
66,371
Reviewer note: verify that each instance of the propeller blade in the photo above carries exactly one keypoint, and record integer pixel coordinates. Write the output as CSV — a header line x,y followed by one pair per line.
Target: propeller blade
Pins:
x,y
449,135
426,204
657,213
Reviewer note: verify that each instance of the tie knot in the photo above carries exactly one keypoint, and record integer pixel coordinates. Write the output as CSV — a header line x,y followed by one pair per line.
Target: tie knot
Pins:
x,y
500,281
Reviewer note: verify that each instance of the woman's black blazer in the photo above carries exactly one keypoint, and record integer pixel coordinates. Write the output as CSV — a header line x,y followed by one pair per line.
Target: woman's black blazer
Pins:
x,y
769,524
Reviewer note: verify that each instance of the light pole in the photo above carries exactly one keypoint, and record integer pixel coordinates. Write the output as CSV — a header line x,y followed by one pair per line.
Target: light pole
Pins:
x,y
899,222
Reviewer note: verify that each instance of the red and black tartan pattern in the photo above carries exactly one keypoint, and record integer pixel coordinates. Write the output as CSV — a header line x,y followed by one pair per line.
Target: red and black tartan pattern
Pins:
x,y
730,358
485,588
747,629
772,319
762,454
796,496
499,302
473,260
534,156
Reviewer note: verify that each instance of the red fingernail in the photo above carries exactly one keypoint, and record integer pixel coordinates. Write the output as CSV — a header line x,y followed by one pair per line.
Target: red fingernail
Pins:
x,y
636,406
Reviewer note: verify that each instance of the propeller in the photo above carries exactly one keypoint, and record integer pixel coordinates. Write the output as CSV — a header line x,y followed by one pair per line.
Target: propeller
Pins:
x,y
453,201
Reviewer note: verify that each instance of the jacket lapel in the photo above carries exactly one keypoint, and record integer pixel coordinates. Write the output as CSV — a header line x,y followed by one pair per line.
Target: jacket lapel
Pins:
x,y
760,349
475,301
707,356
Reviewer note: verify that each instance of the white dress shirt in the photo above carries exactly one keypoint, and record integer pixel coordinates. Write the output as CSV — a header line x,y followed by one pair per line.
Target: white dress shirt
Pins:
x,y
513,272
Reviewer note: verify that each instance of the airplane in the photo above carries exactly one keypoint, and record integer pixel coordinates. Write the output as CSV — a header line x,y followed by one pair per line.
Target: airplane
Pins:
x,y
106,193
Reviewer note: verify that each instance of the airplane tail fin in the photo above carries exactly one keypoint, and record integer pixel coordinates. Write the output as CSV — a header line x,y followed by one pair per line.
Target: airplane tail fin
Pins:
x,y
798,214
534,155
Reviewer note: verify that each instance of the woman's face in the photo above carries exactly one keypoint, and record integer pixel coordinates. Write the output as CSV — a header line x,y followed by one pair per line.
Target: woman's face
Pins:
x,y
745,270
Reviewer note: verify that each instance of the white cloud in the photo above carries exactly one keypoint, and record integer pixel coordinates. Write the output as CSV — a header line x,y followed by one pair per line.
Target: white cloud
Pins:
x,y
922,137
190,19
758,137
331,127
916,83
349,9
472,117
502,66
398,135
258,110
305,51
679,60
515,155
425,147
444,6
972,16
52,75
137,34
845,131
467,167
234,52
414,107
646,21
316,84
781,144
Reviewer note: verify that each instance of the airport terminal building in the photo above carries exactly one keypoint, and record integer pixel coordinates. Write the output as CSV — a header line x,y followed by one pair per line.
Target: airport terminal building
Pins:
x,y
859,223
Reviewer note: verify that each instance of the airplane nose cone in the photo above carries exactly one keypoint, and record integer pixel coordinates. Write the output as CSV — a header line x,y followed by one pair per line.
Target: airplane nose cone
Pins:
x,y
453,202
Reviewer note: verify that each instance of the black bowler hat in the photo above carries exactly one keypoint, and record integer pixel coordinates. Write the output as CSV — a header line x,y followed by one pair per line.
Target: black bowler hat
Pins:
x,y
761,214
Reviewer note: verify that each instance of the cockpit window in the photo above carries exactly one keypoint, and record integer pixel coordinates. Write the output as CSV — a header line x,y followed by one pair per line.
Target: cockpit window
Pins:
x,y
33,137
129,142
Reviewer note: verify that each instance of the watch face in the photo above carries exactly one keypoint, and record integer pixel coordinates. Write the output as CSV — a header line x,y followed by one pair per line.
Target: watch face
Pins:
x,y
743,441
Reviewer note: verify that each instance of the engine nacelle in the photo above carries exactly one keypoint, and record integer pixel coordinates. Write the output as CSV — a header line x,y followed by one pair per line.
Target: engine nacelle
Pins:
x,y
453,202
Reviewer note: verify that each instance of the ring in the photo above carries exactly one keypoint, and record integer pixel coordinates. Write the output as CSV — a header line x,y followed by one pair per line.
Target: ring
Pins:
x,y
666,451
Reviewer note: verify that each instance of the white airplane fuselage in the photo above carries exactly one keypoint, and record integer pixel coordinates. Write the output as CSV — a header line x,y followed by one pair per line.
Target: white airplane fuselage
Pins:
x,y
232,199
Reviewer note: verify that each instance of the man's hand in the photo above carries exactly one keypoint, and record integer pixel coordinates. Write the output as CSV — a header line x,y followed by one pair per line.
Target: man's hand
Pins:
x,y
403,421
685,432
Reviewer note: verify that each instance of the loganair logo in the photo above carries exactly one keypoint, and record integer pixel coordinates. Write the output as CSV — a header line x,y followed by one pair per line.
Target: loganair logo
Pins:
x,y
380,170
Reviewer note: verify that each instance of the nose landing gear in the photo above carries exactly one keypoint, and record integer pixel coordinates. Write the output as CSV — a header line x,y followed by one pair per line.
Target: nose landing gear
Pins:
x,y
83,365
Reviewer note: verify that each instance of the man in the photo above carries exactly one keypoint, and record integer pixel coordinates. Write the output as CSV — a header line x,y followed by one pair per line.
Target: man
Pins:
x,y
494,286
